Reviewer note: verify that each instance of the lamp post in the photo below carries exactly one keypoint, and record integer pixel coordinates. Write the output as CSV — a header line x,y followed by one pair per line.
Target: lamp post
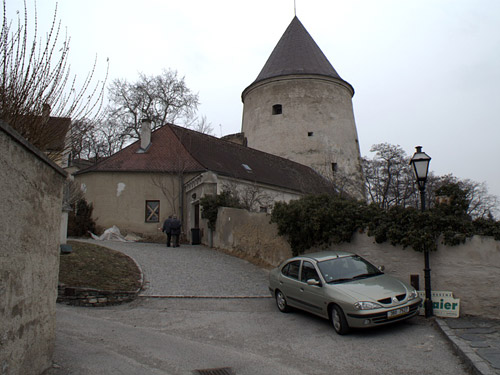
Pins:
x,y
420,163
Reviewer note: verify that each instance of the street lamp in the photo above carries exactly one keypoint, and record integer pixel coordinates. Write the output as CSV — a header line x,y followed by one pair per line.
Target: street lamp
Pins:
x,y
420,163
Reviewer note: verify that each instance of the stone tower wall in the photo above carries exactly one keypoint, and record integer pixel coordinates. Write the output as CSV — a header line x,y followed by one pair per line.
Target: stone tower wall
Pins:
x,y
316,127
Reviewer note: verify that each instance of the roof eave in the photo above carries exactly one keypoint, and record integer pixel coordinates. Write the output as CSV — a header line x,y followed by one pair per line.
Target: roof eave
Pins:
x,y
294,76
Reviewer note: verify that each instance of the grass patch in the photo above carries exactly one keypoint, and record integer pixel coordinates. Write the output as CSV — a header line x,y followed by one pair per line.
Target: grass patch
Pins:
x,y
92,266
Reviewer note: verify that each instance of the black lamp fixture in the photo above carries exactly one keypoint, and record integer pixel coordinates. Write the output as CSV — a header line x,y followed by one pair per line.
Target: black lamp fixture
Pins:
x,y
420,163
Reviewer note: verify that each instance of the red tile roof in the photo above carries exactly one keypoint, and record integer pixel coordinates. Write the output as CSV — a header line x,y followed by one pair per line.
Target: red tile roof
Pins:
x,y
165,154
174,149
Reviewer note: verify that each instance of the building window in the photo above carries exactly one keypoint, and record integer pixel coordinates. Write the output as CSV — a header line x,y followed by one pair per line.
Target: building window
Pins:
x,y
277,109
263,209
310,134
152,211
334,167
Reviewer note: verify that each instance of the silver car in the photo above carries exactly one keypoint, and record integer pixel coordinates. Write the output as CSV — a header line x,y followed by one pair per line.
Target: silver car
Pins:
x,y
344,288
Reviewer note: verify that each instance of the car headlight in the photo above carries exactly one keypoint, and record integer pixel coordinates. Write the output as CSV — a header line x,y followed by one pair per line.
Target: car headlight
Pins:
x,y
365,305
413,294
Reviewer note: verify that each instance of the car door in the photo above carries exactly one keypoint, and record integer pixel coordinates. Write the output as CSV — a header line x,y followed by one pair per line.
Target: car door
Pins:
x,y
290,283
312,297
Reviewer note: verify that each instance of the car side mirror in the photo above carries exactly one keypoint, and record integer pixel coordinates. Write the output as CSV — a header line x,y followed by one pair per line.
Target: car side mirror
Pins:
x,y
313,282
381,268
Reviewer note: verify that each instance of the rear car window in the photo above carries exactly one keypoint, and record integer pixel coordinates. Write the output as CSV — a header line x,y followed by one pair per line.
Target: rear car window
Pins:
x,y
291,269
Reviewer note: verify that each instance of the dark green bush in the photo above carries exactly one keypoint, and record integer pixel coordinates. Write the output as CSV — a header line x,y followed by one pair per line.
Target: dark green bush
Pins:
x,y
210,206
80,221
318,221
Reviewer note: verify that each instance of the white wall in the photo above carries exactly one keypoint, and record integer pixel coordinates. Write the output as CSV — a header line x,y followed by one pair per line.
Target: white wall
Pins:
x,y
471,271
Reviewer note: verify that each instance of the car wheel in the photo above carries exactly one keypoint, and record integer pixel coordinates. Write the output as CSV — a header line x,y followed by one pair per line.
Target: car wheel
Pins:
x,y
281,302
339,321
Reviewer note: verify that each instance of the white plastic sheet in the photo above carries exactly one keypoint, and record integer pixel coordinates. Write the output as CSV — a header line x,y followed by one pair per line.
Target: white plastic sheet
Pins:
x,y
113,234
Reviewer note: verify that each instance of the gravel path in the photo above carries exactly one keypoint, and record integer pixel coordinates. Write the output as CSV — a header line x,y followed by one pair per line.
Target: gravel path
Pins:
x,y
193,271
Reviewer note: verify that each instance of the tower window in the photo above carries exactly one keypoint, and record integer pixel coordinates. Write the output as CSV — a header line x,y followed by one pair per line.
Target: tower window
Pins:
x,y
277,109
334,167
310,134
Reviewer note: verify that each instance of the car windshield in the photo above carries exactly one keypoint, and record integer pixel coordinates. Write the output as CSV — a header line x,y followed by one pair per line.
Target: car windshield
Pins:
x,y
345,269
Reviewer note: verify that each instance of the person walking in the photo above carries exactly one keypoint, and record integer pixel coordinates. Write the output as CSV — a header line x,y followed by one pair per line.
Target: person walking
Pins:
x,y
175,229
167,229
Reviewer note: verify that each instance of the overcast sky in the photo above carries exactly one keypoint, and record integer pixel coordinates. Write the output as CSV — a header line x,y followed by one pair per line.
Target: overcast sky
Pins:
x,y
425,72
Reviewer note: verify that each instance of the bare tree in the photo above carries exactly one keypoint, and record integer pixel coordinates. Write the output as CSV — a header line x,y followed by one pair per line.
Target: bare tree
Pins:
x,y
201,125
390,182
250,195
36,83
388,177
480,203
164,98
97,140
170,184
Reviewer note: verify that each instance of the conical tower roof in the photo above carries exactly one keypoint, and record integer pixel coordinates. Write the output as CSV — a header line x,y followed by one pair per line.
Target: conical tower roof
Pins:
x,y
296,53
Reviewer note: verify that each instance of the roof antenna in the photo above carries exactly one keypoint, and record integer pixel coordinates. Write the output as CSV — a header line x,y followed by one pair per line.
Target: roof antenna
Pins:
x,y
295,7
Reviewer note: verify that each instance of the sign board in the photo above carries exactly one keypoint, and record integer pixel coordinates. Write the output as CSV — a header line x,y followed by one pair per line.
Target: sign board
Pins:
x,y
443,304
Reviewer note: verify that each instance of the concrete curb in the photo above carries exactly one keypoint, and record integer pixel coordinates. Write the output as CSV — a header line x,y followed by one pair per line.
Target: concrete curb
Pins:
x,y
474,361
201,297
142,281
70,299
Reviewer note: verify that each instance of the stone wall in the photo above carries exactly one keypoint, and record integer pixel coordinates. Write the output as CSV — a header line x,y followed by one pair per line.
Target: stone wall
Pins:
x,y
249,235
471,271
90,297
30,213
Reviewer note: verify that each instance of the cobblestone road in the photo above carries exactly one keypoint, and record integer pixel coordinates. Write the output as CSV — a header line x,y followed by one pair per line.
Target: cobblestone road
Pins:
x,y
193,270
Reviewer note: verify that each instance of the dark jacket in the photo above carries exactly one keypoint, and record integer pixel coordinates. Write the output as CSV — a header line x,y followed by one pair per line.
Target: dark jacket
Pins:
x,y
167,225
175,226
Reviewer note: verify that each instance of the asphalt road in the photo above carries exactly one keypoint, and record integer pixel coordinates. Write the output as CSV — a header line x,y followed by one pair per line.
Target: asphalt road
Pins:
x,y
244,335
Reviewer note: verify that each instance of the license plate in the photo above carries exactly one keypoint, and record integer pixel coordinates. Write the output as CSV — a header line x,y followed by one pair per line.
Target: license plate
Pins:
x,y
398,312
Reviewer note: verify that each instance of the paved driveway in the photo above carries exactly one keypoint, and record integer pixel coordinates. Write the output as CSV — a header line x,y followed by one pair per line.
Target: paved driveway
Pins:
x,y
178,336
193,271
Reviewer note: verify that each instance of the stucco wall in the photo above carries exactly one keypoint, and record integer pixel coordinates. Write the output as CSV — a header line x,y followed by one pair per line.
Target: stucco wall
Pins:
x,y
30,214
471,271
249,234
316,127
258,195
120,199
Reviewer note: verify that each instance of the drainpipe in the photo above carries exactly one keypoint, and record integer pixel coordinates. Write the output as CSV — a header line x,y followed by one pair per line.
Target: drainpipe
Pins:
x,y
181,198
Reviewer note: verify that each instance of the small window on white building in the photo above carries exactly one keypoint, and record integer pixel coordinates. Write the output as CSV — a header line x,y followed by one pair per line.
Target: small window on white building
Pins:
x,y
310,134
152,211
334,167
263,209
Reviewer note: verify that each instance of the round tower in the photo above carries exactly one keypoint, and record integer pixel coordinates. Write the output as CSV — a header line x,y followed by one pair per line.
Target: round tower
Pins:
x,y
300,109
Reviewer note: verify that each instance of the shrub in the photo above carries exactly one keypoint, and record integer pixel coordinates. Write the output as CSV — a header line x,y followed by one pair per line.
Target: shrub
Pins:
x,y
80,221
210,206
323,220
317,220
